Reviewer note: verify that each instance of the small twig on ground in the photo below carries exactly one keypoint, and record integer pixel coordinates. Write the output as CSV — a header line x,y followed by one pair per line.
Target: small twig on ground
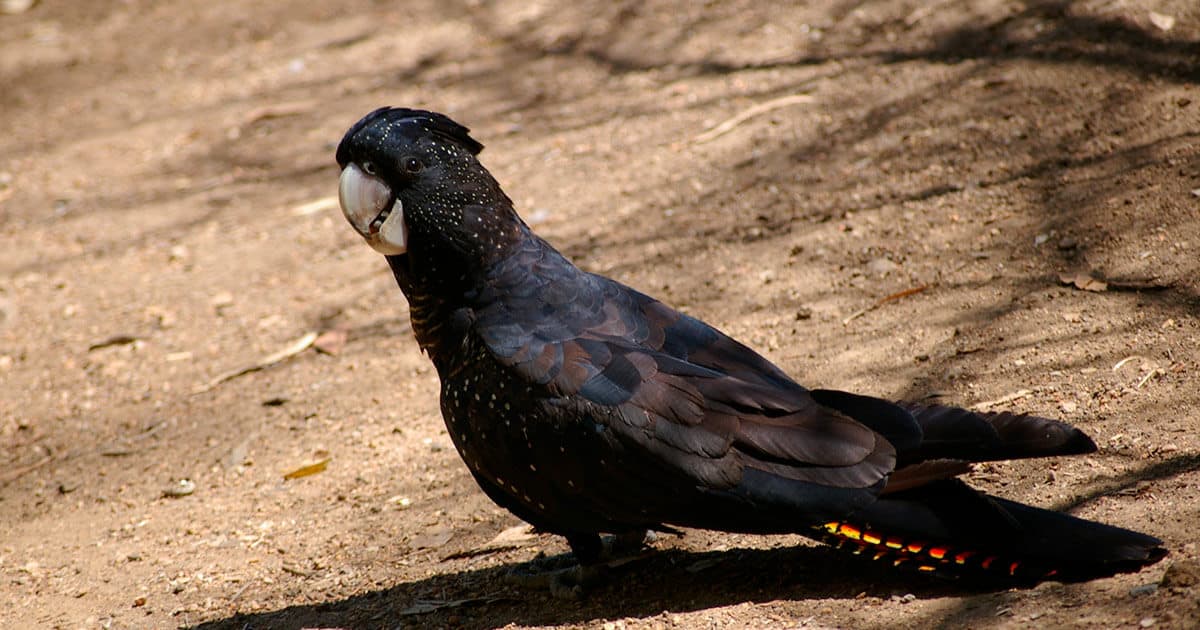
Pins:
x,y
295,570
884,300
296,347
1150,375
1003,399
17,473
115,340
747,114
277,110
239,592
425,606
514,537
124,446
1122,362
317,205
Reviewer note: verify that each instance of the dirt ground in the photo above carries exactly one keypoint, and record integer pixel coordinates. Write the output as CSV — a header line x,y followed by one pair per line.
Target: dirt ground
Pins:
x,y
167,219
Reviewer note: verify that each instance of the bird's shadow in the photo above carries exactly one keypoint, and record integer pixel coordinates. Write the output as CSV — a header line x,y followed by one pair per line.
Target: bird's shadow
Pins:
x,y
666,582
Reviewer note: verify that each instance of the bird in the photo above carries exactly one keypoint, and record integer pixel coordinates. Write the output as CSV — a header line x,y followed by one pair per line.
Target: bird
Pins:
x,y
588,408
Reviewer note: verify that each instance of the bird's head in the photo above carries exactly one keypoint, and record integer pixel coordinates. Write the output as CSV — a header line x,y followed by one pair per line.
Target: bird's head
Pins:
x,y
411,184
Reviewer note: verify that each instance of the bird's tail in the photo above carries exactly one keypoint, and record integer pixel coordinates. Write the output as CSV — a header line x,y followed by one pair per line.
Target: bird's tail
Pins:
x,y
948,529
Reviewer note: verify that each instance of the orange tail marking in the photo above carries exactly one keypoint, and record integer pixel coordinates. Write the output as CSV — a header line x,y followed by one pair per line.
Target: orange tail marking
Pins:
x,y
901,551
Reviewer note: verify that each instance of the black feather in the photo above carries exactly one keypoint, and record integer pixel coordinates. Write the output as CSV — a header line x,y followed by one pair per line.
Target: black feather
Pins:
x,y
437,124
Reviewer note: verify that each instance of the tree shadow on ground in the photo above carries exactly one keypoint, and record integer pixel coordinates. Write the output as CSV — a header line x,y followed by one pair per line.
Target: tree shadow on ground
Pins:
x,y
669,581
1061,34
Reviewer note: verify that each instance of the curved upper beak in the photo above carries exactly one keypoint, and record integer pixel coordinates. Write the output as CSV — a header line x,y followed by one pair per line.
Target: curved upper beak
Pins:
x,y
365,202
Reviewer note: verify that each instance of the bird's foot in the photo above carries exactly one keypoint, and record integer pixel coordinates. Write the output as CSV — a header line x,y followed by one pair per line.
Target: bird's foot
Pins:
x,y
565,583
566,578
626,547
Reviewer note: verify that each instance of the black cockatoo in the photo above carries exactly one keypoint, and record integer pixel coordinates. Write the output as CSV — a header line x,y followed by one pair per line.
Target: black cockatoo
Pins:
x,y
586,407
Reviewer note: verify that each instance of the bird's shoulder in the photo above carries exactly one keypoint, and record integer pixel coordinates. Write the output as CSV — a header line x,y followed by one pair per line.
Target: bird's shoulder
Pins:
x,y
586,333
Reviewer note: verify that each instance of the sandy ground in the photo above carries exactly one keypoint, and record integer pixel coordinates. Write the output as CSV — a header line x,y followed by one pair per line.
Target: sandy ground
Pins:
x,y
166,220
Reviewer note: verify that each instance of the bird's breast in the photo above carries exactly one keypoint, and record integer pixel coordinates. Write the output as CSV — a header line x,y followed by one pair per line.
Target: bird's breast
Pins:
x,y
555,456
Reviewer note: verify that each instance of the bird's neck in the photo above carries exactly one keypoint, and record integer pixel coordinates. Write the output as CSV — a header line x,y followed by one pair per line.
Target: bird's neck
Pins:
x,y
444,307
436,306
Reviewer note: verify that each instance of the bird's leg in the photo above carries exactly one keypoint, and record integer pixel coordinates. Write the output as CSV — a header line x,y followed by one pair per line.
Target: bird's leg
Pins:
x,y
595,556
588,548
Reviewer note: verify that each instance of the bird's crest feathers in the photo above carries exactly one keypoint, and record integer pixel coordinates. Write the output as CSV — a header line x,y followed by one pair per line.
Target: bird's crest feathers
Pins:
x,y
433,122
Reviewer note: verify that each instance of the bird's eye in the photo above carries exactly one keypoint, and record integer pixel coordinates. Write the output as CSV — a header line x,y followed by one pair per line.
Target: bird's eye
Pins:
x,y
369,167
412,165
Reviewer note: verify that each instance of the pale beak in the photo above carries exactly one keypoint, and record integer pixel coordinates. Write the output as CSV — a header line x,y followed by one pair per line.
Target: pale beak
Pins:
x,y
364,199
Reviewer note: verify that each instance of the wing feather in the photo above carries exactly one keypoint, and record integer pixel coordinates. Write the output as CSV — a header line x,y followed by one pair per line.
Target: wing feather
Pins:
x,y
687,393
